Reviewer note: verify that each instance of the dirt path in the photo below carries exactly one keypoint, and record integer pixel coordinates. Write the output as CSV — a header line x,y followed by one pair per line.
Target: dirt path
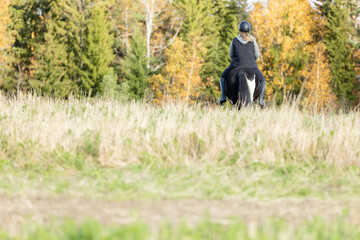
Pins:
x,y
13,210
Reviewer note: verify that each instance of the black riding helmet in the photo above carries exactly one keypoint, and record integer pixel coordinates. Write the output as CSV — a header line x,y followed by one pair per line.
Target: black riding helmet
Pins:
x,y
244,26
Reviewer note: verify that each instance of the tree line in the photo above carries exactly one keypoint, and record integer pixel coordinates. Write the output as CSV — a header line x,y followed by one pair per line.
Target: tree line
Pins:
x,y
177,49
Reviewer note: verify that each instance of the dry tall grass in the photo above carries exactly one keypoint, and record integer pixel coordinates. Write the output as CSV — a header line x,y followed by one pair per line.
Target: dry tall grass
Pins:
x,y
125,133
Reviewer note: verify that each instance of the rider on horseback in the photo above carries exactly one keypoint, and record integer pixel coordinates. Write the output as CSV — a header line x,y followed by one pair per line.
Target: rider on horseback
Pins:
x,y
244,52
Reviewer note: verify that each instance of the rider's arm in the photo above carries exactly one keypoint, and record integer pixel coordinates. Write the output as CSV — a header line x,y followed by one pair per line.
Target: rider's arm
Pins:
x,y
257,52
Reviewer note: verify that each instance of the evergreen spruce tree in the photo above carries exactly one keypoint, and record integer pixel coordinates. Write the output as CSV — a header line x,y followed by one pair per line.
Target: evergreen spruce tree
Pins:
x,y
28,29
83,31
217,56
338,45
70,22
135,67
50,64
355,40
98,54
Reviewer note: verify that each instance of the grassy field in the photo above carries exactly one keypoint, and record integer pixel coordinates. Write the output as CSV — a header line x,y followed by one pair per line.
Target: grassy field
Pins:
x,y
136,171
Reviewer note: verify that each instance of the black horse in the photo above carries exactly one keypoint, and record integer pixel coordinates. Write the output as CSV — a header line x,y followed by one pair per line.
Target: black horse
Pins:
x,y
242,87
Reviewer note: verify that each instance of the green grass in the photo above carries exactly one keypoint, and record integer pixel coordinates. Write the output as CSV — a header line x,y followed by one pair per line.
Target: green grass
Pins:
x,y
317,228
145,182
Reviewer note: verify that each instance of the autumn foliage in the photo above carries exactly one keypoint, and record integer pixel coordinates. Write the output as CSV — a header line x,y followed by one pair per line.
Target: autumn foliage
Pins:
x,y
283,31
166,50
295,46
319,93
4,36
180,78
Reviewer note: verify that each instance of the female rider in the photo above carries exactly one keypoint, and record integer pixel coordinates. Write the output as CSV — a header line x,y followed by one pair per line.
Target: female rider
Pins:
x,y
244,52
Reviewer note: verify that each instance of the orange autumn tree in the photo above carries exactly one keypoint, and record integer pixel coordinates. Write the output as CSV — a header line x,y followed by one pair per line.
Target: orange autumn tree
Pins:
x,y
4,36
319,93
282,28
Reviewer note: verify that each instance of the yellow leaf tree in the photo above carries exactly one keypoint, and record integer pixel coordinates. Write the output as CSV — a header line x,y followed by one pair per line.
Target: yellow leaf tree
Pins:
x,y
180,77
282,28
319,93
4,36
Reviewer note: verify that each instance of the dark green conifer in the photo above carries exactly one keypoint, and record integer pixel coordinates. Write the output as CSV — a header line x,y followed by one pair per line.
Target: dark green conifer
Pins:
x,y
50,67
135,67
98,53
339,47
28,29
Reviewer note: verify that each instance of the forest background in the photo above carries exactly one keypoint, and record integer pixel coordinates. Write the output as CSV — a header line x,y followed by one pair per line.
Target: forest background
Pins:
x,y
165,50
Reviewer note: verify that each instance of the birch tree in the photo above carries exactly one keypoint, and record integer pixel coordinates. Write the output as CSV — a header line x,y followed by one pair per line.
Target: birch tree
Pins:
x,y
162,26
152,7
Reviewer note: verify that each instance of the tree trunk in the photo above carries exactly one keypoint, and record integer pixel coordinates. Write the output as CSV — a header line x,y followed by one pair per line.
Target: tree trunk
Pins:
x,y
190,77
317,85
19,80
127,30
149,5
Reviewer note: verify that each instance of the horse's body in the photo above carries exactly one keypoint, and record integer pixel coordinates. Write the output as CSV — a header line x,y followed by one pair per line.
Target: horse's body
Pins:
x,y
242,87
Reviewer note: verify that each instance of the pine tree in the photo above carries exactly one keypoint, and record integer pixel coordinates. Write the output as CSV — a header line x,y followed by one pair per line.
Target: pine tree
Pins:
x,y
28,29
217,57
354,8
98,54
70,19
81,29
340,51
50,67
338,29
135,67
